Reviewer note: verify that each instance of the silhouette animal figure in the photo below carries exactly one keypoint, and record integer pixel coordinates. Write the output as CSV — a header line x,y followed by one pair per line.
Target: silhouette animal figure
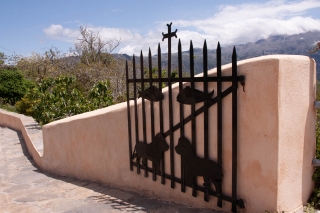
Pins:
x,y
192,96
193,166
153,151
151,94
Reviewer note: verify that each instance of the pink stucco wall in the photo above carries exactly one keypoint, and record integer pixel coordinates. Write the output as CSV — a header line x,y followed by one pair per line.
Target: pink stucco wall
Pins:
x,y
9,119
276,140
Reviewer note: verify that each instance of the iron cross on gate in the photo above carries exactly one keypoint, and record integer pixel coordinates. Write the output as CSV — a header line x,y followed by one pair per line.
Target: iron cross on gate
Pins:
x,y
169,34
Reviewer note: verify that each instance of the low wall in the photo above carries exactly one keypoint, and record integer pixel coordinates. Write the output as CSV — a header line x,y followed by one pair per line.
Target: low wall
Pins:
x,y
276,140
11,120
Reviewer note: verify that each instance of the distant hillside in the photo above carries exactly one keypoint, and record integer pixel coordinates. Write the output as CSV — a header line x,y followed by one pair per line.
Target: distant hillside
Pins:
x,y
278,44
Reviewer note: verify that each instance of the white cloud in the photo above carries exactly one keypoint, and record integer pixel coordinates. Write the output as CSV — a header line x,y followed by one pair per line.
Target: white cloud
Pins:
x,y
56,31
233,24
250,22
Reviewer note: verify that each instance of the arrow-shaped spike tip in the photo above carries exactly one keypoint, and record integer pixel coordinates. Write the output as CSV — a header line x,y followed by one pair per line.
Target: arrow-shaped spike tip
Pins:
x,y
205,44
218,46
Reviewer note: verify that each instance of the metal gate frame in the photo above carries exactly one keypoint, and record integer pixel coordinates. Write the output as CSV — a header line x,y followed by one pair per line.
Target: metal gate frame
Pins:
x,y
234,79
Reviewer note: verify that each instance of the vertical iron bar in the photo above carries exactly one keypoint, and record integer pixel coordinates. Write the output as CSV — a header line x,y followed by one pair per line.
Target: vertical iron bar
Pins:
x,y
151,104
193,121
193,106
161,110
219,107
154,176
219,114
170,109
135,108
205,114
129,117
234,130
183,187
143,111
205,90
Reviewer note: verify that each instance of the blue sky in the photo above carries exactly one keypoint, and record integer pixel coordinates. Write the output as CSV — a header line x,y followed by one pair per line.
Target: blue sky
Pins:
x,y
36,25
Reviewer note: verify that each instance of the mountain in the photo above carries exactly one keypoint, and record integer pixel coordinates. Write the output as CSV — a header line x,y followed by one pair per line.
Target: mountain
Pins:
x,y
276,44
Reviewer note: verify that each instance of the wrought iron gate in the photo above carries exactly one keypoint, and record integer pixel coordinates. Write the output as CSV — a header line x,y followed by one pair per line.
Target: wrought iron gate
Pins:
x,y
191,165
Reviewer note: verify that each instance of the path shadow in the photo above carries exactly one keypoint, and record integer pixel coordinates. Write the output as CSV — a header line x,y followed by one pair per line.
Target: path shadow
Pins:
x,y
116,198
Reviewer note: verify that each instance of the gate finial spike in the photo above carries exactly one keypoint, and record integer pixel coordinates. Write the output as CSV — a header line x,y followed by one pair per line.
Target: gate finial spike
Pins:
x,y
234,55
205,44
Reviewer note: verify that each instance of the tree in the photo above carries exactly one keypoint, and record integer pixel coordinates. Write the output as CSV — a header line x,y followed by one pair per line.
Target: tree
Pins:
x,y
2,58
92,49
90,61
97,63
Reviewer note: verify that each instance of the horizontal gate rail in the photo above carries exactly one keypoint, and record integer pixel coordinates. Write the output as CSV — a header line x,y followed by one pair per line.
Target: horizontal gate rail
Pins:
x,y
189,79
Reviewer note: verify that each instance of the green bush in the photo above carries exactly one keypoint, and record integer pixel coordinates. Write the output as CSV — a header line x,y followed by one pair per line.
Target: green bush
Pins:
x,y
56,98
13,85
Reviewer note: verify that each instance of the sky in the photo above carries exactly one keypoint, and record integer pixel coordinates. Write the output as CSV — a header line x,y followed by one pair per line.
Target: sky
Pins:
x,y
29,26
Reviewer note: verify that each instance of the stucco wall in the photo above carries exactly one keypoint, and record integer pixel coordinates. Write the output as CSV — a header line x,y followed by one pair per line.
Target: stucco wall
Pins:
x,y
276,139
10,120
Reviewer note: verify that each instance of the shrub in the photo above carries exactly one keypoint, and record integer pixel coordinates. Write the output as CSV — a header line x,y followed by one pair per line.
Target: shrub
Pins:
x,y
13,85
56,98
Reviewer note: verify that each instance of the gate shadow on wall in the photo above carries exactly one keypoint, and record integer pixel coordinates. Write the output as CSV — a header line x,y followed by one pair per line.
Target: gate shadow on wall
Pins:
x,y
192,166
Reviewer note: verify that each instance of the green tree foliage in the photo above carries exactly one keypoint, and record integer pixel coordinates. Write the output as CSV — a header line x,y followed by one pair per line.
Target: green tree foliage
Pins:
x,y
13,85
57,98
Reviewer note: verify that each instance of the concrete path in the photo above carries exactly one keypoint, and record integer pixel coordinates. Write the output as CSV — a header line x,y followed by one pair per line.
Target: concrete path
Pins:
x,y
25,188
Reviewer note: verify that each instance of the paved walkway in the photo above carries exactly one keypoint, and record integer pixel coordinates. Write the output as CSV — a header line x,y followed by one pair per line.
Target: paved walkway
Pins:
x,y
25,188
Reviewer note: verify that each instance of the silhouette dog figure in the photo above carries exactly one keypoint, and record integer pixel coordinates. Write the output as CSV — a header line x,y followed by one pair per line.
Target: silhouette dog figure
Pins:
x,y
193,166
152,151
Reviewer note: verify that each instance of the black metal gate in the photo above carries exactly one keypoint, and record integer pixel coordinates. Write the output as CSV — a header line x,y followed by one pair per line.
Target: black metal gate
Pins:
x,y
191,165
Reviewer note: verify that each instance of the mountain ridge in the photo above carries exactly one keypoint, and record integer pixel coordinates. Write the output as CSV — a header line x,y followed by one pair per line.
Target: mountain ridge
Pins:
x,y
276,44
